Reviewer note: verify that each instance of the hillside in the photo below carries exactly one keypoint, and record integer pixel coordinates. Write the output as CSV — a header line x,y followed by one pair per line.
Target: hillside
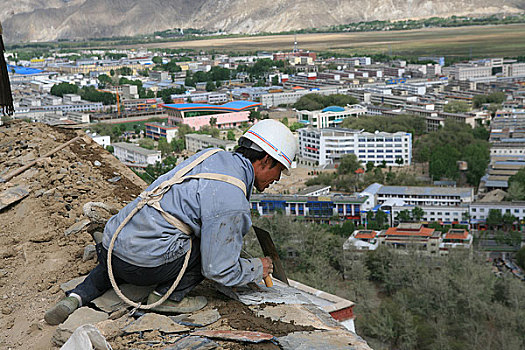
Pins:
x,y
80,19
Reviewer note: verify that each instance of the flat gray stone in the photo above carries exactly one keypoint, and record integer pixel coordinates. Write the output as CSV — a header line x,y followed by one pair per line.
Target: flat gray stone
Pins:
x,y
89,252
322,340
297,314
152,321
80,317
77,227
199,319
67,286
111,302
194,343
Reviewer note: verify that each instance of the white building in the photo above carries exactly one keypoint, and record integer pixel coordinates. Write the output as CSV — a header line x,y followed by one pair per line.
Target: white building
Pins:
x,y
330,116
479,211
130,153
327,146
104,141
197,142
421,196
446,215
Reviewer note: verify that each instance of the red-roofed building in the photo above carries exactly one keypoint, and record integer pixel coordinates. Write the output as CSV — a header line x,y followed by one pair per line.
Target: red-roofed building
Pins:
x,y
408,236
411,235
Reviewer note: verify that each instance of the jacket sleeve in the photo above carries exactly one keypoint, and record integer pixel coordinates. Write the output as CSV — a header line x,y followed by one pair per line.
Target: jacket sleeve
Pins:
x,y
221,243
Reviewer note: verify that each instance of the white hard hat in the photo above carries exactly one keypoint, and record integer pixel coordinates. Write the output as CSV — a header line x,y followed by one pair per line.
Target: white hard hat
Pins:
x,y
276,139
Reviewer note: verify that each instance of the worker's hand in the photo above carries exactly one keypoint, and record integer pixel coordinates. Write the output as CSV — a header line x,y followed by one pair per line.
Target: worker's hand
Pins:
x,y
267,266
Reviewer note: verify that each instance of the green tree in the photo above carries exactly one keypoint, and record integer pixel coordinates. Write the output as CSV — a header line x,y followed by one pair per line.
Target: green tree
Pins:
x,y
157,59
349,164
210,86
147,143
495,218
230,135
520,257
417,214
404,216
63,88
163,146
517,185
456,107
105,80
443,162
477,156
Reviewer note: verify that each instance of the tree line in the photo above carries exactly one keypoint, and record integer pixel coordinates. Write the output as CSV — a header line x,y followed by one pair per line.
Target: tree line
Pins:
x,y
404,301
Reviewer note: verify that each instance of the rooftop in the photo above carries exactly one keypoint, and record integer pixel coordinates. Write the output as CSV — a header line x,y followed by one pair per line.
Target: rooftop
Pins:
x,y
235,106
134,148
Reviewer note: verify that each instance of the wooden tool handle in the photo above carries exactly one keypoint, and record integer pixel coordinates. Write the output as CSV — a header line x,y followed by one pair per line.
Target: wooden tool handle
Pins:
x,y
268,281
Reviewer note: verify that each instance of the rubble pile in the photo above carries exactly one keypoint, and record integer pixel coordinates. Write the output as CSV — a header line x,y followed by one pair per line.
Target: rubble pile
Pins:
x,y
50,215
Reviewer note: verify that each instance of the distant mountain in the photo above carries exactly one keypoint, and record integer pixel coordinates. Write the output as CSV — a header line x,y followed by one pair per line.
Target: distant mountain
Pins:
x,y
45,20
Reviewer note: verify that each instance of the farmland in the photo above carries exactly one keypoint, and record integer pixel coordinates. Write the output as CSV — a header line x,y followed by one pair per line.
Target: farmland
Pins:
x,y
475,41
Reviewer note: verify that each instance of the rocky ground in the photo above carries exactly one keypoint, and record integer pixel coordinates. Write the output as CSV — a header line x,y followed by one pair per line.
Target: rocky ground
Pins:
x,y
46,229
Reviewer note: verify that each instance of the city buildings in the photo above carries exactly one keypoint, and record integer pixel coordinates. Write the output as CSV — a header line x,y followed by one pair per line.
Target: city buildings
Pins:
x,y
320,147
315,208
409,236
330,116
197,115
198,142
156,130
135,155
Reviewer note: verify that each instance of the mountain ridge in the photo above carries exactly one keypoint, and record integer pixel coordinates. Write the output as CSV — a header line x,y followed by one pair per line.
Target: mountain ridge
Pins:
x,y
48,20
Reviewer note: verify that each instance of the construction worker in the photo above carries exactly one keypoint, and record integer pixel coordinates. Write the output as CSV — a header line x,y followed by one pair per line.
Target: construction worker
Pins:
x,y
189,225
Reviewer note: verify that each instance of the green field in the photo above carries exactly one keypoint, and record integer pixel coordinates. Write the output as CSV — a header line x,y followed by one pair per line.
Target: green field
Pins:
x,y
475,41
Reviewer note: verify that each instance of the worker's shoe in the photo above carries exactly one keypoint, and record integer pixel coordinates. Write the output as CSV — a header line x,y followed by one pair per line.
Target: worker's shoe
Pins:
x,y
61,311
186,305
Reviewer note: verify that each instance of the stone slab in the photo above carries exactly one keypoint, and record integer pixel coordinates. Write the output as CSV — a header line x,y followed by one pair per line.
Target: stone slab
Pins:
x,y
199,319
13,195
69,285
297,314
322,340
111,302
77,227
193,343
79,317
152,321
242,336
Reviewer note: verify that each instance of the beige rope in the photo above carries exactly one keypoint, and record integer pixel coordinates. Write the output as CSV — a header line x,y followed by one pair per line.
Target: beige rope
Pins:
x,y
110,269
147,199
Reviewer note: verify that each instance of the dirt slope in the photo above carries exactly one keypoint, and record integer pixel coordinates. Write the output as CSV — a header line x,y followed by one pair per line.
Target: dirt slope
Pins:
x,y
35,254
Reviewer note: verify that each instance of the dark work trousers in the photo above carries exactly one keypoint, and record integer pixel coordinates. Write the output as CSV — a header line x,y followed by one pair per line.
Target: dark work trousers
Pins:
x,y
97,282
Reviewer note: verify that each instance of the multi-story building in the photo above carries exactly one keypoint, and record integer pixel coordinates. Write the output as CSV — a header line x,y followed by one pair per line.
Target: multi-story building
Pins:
x,y
273,99
317,208
330,116
103,140
197,142
319,147
201,97
142,106
158,130
130,153
420,196
410,236
449,215
465,71
197,115
479,211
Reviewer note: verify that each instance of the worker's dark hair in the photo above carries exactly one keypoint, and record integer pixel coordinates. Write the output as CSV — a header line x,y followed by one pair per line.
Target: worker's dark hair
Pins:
x,y
252,154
